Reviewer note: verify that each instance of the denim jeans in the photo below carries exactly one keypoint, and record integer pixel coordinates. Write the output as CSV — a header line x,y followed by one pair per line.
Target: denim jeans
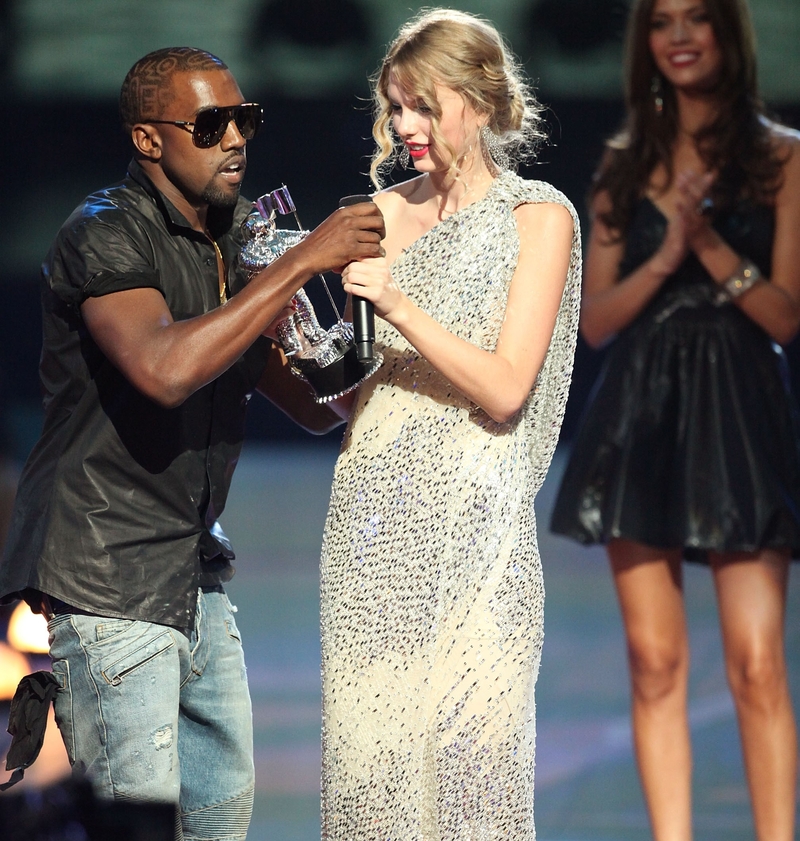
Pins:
x,y
148,713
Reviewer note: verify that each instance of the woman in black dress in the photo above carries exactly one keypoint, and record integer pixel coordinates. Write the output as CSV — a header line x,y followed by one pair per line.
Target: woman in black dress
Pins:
x,y
689,447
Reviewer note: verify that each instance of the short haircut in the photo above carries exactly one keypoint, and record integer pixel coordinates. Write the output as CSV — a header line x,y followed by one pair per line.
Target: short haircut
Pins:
x,y
147,88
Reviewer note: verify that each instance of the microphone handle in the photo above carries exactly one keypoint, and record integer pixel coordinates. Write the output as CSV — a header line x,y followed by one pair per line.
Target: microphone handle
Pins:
x,y
363,310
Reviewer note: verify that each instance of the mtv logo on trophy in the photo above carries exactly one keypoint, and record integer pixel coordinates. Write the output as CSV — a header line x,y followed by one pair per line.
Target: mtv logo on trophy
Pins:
x,y
327,359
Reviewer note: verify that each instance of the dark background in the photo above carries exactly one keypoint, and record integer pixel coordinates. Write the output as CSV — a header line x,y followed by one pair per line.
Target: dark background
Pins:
x,y
61,70
307,62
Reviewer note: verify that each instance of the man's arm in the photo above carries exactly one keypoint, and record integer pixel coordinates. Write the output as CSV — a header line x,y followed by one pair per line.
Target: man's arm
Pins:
x,y
294,397
169,360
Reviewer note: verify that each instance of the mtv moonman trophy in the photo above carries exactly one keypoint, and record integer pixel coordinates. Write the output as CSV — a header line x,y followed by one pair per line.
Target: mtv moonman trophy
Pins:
x,y
327,359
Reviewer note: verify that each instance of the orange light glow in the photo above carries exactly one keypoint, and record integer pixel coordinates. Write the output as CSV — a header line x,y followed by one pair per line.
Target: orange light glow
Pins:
x,y
27,631
13,667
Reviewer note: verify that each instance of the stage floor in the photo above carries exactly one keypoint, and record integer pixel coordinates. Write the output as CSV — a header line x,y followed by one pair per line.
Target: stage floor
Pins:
x,y
586,784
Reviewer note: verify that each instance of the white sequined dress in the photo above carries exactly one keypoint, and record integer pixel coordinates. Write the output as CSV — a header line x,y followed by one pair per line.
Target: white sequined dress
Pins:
x,y
432,596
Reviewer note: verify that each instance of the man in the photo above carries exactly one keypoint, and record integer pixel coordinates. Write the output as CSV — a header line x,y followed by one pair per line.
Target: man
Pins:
x,y
152,346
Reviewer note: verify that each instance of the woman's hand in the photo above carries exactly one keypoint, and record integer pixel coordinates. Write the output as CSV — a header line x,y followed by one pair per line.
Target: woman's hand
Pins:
x,y
690,223
371,279
498,380
694,202
673,248
610,303
773,305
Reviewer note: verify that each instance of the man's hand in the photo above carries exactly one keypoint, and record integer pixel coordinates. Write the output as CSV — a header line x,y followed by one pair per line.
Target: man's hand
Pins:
x,y
348,234
169,360
294,397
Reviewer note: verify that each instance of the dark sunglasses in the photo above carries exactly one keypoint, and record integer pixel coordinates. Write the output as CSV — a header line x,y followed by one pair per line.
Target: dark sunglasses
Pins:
x,y
210,125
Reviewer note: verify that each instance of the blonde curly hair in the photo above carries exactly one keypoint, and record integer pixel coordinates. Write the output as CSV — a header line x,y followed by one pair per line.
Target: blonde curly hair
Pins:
x,y
466,54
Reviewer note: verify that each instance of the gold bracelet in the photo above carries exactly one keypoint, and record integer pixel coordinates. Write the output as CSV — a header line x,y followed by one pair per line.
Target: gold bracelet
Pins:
x,y
745,277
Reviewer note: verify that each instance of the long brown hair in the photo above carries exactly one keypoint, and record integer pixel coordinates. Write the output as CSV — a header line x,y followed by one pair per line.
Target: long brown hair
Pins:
x,y
737,145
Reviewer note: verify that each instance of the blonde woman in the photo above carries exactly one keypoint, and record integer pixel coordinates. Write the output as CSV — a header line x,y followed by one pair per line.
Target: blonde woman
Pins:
x,y
432,591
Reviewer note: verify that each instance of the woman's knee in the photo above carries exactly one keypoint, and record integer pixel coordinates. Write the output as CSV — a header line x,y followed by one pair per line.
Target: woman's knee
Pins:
x,y
657,670
757,675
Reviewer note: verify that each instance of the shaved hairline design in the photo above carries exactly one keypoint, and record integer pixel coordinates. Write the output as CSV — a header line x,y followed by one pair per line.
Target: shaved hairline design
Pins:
x,y
146,90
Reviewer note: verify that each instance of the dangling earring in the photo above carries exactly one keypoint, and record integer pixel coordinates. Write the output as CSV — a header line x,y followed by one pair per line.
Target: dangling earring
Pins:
x,y
404,157
658,99
494,155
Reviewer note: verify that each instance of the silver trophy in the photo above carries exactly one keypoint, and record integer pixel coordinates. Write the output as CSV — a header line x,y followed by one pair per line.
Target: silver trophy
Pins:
x,y
326,359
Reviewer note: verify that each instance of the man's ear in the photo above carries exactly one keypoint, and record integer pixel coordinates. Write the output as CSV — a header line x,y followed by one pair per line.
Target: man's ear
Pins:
x,y
147,141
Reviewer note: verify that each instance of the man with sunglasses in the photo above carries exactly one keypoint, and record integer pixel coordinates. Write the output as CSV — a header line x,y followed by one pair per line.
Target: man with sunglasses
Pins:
x,y
152,346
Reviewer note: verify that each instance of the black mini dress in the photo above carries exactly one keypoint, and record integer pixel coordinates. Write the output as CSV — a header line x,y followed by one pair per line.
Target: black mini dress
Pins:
x,y
690,438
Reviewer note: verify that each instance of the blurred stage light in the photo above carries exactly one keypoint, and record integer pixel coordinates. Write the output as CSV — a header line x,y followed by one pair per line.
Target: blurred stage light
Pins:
x,y
27,631
14,666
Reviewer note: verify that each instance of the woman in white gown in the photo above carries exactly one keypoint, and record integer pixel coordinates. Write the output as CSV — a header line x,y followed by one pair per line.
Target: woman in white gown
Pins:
x,y
432,595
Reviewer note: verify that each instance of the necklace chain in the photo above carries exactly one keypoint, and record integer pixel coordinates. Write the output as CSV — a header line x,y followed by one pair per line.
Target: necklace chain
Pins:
x,y
223,292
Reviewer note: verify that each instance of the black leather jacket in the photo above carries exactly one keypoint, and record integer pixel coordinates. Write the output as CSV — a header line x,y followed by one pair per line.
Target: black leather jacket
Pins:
x,y
117,505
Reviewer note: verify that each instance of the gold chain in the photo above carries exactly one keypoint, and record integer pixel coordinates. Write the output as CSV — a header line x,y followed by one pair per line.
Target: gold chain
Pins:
x,y
223,292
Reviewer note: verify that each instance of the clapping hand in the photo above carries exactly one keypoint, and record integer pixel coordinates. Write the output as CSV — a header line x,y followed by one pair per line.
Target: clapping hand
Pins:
x,y
690,220
694,203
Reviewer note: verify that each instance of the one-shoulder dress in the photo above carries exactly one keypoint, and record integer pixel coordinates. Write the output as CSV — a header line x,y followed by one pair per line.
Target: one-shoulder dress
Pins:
x,y
691,437
432,594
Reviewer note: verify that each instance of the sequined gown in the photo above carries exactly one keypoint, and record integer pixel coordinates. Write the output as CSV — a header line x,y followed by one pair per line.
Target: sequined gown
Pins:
x,y
432,596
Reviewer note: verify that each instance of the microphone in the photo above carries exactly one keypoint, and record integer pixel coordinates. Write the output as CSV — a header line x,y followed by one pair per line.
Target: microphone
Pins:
x,y
363,310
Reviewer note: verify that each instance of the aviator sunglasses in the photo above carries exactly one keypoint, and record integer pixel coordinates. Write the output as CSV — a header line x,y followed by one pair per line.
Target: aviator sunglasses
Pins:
x,y
210,124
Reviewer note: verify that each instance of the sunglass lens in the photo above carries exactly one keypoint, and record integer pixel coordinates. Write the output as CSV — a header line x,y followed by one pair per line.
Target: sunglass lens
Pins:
x,y
248,120
209,126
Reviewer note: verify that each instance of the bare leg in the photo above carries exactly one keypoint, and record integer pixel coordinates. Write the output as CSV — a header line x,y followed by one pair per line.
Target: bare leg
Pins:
x,y
751,590
649,588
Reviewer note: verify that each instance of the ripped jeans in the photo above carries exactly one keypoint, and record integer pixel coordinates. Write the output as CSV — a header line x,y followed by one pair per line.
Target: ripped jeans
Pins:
x,y
150,714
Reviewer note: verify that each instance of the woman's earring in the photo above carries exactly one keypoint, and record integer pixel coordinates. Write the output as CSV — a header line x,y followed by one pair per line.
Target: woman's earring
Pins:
x,y
658,99
493,152
404,157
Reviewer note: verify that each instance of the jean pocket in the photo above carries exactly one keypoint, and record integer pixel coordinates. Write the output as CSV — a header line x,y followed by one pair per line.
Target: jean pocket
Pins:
x,y
62,707
137,657
230,622
233,631
107,629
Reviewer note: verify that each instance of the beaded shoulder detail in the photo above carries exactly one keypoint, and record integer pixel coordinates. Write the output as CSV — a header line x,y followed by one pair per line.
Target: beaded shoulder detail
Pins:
x,y
460,272
432,593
